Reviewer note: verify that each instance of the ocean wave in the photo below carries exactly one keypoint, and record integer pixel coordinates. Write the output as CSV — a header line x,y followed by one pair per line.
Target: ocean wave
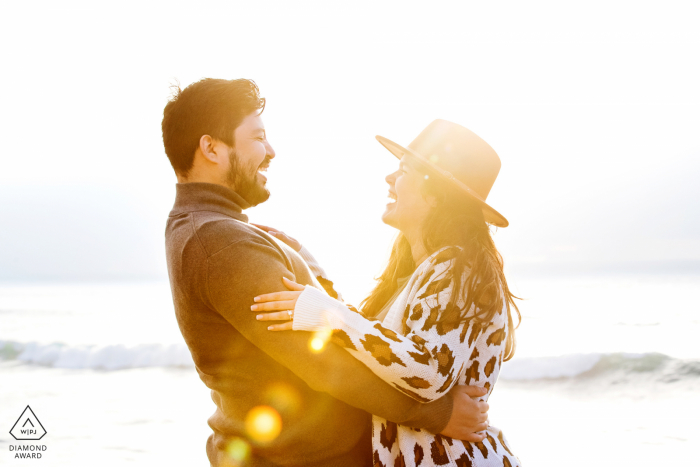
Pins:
x,y
565,366
107,357
118,357
597,365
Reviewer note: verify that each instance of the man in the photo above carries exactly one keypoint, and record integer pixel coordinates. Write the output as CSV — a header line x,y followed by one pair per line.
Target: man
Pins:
x,y
279,402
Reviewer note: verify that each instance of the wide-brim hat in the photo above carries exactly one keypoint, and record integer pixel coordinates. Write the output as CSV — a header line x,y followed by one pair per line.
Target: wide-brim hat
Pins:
x,y
459,156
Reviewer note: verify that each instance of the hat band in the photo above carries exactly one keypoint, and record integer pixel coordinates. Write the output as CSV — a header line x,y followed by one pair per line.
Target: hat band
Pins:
x,y
448,175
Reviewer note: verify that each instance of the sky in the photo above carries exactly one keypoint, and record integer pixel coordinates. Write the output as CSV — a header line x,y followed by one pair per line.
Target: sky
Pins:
x,y
593,108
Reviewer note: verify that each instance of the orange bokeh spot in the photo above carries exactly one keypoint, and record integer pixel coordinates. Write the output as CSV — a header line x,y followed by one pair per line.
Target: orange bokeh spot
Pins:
x,y
238,451
263,424
319,339
317,344
283,398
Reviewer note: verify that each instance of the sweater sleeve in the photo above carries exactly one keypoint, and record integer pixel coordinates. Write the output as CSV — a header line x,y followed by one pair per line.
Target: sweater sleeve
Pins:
x,y
311,261
425,362
319,273
231,288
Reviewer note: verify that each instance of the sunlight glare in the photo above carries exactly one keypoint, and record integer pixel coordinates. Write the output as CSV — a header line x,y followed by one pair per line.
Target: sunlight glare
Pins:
x,y
283,397
319,339
263,424
238,451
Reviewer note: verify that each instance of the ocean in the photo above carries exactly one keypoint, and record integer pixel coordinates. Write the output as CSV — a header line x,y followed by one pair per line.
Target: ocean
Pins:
x,y
606,373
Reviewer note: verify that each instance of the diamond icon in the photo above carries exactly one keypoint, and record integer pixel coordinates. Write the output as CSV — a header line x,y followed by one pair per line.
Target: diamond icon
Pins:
x,y
28,427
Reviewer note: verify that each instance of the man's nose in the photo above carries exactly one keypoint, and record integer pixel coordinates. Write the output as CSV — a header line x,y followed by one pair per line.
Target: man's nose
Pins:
x,y
270,151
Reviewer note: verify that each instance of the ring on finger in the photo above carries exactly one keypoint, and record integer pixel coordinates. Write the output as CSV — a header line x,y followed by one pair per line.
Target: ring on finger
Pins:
x,y
291,314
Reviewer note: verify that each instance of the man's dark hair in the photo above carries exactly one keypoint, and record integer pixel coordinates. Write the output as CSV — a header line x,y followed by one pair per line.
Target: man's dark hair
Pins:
x,y
213,107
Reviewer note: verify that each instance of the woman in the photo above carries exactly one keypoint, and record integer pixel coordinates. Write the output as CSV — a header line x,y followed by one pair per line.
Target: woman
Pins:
x,y
440,314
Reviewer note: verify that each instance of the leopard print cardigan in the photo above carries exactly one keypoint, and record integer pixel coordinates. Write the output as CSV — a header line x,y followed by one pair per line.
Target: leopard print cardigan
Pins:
x,y
422,356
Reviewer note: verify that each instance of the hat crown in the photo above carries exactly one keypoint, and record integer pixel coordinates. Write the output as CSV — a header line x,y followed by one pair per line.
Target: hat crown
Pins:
x,y
461,152
459,156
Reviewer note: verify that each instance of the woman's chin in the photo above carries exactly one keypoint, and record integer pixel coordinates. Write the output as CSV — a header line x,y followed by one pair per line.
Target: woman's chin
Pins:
x,y
388,216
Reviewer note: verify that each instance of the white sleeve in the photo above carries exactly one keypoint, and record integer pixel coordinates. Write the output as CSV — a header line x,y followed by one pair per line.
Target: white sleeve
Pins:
x,y
314,265
318,272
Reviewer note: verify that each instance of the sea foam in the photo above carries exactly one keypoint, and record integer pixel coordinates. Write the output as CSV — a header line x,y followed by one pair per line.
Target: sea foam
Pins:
x,y
549,367
118,357
107,357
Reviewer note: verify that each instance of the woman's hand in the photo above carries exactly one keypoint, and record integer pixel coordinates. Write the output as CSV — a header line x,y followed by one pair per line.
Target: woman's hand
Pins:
x,y
285,301
279,235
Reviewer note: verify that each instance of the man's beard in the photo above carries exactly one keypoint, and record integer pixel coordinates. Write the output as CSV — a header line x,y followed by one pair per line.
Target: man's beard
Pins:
x,y
244,180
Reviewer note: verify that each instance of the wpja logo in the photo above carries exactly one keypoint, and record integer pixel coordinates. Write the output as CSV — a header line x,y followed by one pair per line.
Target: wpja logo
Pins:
x,y
28,428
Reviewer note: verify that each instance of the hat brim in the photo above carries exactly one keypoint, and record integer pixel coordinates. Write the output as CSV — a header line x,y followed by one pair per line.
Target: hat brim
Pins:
x,y
490,214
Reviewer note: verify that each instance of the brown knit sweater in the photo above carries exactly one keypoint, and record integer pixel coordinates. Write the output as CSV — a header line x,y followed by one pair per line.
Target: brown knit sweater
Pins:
x,y
217,263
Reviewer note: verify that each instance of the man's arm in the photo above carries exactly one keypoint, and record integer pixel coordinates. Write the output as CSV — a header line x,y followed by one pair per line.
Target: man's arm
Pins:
x,y
249,268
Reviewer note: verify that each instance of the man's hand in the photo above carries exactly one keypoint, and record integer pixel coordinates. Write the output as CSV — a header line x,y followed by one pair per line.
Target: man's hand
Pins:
x,y
469,416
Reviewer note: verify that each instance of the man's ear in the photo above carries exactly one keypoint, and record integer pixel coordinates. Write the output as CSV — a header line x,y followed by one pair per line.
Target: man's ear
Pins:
x,y
207,146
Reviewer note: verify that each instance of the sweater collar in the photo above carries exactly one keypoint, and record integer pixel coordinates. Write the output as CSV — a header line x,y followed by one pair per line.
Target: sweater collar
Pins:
x,y
191,197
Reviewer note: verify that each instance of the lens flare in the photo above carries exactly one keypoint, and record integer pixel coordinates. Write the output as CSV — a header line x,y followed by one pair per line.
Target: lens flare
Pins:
x,y
238,451
263,424
319,339
283,398
317,344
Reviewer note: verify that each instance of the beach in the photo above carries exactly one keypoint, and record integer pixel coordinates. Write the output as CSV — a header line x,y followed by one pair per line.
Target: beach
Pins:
x,y
104,368
111,109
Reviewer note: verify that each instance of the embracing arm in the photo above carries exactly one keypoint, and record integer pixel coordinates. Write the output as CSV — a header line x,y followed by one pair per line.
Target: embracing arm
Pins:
x,y
230,289
426,362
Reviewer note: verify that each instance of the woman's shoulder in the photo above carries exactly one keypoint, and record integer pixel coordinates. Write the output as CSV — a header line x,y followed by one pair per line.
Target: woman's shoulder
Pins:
x,y
443,255
439,261
433,272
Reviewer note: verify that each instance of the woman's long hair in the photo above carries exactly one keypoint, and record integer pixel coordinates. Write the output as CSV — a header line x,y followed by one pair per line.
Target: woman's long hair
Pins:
x,y
456,220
